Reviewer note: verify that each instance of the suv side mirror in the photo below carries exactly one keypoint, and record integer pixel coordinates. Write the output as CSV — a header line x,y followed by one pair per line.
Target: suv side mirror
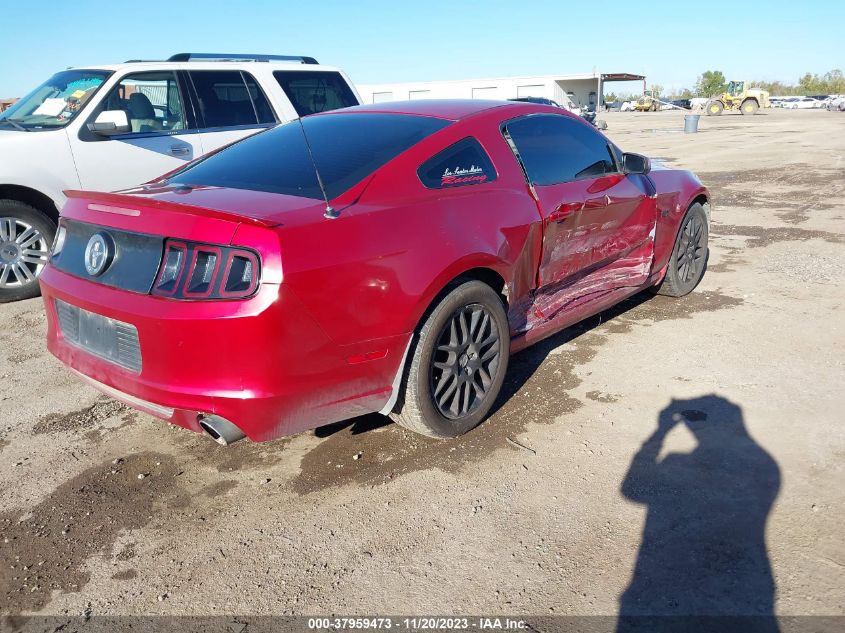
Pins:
x,y
635,163
111,123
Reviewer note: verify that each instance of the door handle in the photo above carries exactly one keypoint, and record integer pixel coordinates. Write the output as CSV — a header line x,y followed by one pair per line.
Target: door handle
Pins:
x,y
564,210
180,150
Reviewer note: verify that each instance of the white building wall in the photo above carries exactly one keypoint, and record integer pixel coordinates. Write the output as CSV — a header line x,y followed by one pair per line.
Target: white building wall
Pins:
x,y
583,92
549,87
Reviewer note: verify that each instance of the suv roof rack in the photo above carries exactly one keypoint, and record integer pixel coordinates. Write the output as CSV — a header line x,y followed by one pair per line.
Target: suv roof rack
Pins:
x,y
184,57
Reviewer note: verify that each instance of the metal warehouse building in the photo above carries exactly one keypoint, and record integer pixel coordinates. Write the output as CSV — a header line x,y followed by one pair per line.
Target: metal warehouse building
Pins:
x,y
582,90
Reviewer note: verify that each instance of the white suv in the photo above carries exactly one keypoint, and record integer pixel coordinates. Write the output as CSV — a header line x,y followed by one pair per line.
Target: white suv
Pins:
x,y
111,127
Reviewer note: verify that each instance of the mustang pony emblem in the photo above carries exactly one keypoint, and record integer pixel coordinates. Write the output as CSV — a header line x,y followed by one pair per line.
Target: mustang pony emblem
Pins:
x,y
98,254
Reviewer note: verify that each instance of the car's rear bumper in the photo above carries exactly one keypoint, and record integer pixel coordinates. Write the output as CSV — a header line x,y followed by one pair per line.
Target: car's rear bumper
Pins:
x,y
263,363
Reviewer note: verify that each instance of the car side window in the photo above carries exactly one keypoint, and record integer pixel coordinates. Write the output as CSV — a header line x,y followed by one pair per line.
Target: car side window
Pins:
x,y
152,102
230,98
311,91
556,149
464,163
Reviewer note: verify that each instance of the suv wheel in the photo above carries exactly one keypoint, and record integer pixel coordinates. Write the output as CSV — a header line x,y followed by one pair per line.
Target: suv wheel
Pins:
x,y
25,238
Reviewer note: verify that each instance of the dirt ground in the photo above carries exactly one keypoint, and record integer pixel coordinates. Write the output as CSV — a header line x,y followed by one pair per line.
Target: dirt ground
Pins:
x,y
684,454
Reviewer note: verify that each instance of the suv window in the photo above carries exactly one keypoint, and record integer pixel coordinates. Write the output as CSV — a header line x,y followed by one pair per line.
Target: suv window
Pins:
x,y
557,148
315,91
152,102
464,163
346,149
57,101
229,98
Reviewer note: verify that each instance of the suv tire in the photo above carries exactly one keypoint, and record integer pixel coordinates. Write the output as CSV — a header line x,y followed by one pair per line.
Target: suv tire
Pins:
x,y
26,235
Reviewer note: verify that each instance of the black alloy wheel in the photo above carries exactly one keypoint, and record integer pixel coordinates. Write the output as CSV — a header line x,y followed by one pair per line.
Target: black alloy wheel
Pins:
x,y
688,261
466,359
457,362
692,250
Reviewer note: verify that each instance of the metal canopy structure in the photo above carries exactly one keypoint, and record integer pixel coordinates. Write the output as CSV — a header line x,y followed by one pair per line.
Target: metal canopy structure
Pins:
x,y
621,77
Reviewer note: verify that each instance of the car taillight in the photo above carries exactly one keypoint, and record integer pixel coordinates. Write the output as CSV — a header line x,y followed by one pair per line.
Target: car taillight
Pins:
x,y
202,271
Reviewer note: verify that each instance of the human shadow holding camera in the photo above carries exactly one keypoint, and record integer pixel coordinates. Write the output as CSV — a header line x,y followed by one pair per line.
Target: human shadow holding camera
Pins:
x,y
703,551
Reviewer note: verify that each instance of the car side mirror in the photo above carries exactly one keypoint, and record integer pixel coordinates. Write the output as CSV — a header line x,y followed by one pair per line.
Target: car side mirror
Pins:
x,y
111,123
635,163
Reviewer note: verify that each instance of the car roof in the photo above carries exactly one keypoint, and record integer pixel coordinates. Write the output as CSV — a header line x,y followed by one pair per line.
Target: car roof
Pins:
x,y
206,65
451,109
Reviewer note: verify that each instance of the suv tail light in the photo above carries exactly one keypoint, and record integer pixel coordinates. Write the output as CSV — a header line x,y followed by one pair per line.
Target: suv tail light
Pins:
x,y
202,271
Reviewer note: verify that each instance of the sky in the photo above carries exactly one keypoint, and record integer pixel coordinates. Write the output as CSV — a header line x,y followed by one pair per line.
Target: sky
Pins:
x,y
383,42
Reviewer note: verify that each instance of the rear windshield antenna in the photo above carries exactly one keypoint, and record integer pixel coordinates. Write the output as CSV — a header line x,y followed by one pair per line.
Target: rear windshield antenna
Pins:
x,y
329,213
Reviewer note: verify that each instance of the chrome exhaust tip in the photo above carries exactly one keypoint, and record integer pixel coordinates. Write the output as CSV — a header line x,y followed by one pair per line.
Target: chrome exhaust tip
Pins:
x,y
220,429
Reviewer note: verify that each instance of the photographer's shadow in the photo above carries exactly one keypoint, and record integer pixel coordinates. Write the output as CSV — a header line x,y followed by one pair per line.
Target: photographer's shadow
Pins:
x,y
703,550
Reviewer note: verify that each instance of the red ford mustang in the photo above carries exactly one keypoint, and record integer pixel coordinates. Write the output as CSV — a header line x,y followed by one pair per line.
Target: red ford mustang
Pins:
x,y
232,297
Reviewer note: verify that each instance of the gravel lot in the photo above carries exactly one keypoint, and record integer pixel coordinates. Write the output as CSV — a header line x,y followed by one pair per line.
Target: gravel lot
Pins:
x,y
686,454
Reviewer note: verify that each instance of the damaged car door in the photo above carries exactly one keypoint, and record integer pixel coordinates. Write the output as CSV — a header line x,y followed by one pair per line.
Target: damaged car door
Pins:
x,y
598,222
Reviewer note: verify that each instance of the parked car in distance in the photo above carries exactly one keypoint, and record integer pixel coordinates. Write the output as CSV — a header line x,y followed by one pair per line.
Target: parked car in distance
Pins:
x,y
114,126
802,103
387,257
836,104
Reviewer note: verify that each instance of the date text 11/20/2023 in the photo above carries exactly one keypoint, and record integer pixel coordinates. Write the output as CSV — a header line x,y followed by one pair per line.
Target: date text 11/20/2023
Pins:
x,y
417,623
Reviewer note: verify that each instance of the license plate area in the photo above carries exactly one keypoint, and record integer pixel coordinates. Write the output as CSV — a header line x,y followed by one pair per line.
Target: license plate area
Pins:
x,y
109,339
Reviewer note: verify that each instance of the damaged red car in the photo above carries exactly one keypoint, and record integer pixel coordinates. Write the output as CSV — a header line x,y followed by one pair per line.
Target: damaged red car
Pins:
x,y
380,258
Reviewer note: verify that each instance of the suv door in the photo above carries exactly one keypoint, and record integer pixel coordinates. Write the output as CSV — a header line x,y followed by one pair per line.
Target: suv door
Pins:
x,y
161,139
230,105
593,215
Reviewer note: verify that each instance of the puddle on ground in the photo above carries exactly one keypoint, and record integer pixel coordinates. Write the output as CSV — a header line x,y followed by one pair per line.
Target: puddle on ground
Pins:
x,y
534,392
129,574
797,190
45,550
758,236
218,488
726,259
243,455
599,396
85,418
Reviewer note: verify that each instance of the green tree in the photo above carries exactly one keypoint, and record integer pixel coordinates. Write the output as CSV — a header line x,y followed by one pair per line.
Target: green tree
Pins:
x,y
834,82
810,84
710,83
610,97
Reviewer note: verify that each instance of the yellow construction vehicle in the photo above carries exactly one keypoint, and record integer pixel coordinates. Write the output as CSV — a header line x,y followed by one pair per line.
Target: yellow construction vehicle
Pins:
x,y
647,103
738,97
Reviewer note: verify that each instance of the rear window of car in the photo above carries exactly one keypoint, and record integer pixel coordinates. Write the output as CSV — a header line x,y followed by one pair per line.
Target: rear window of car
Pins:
x,y
346,149
315,91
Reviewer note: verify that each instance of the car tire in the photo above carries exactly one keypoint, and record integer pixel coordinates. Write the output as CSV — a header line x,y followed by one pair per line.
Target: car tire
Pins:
x,y
457,363
749,106
690,253
27,233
